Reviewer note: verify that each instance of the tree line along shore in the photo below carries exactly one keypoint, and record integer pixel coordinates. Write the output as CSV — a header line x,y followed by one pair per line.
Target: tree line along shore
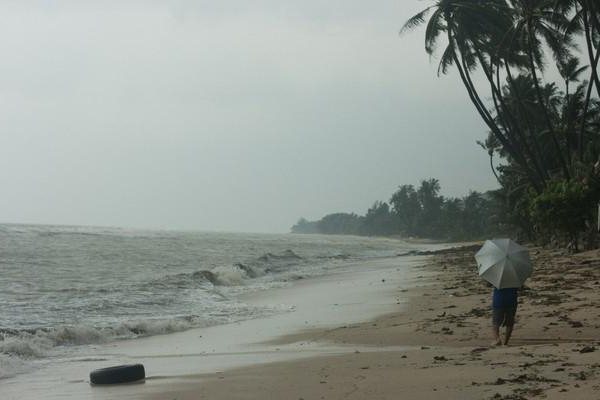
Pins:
x,y
418,212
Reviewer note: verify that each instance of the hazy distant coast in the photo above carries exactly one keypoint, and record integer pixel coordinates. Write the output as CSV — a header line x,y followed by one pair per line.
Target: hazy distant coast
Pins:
x,y
419,212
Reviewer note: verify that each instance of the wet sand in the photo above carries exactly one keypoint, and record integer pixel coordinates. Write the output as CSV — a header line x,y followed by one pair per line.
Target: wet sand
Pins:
x,y
437,346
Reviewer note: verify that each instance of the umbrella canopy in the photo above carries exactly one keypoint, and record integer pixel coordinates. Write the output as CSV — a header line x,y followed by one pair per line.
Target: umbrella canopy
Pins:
x,y
504,263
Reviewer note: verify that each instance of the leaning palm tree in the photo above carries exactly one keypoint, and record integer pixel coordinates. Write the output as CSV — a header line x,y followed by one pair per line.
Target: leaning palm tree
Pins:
x,y
505,59
466,25
585,20
589,15
521,101
537,22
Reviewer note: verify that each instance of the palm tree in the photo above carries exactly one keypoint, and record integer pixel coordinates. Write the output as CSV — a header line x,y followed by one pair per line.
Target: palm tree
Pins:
x,y
570,71
521,101
590,16
585,20
538,22
467,24
505,58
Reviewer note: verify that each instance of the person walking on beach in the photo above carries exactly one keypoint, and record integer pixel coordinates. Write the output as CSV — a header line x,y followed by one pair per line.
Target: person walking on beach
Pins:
x,y
504,307
505,265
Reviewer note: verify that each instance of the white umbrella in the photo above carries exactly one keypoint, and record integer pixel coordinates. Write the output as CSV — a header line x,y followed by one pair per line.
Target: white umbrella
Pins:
x,y
504,263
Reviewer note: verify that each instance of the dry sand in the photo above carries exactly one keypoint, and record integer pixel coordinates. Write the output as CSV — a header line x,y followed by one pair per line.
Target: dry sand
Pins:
x,y
554,354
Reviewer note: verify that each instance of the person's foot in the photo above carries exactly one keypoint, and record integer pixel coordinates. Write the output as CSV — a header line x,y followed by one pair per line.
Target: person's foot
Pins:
x,y
496,343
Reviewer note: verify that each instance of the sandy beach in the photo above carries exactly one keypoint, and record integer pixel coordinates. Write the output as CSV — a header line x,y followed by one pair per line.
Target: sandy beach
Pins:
x,y
405,327
554,354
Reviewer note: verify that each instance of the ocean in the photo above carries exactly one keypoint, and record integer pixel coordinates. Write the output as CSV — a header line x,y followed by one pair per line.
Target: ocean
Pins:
x,y
64,286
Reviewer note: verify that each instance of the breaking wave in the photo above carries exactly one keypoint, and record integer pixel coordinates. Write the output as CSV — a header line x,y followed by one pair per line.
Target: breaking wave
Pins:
x,y
37,343
233,275
18,346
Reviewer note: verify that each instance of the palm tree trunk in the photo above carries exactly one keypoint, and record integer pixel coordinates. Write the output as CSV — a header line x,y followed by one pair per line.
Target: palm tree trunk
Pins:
x,y
491,153
590,49
508,146
513,125
472,86
525,116
586,106
538,91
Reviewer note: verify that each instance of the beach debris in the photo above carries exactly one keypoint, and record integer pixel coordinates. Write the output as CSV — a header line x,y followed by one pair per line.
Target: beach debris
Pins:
x,y
498,396
479,349
580,376
587,349
118,374
524,378
539,363
529,392
567,364
447,331
440,358
477,312
526,354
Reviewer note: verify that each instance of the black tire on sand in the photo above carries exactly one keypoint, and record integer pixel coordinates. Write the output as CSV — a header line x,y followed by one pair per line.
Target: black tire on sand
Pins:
x,y
118,374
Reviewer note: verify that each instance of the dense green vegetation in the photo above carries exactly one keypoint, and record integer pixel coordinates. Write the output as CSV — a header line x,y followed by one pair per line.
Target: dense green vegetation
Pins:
x,y
530,69
419,212
544,132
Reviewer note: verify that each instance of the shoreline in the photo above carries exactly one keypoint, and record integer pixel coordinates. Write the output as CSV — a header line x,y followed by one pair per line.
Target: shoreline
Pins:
x,y
445,329
354,293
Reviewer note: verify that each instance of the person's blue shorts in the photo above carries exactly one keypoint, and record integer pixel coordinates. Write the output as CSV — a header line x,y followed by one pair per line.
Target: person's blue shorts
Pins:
x,y
504,316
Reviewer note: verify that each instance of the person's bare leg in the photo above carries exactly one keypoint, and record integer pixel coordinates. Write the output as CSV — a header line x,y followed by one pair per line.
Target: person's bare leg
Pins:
x,y
496,333
509,329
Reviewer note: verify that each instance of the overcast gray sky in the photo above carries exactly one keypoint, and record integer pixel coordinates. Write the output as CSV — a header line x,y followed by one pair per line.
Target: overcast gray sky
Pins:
x,y
229,115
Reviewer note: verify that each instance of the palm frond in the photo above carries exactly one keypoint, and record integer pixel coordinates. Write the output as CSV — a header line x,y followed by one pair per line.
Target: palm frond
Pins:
x,y
415,20
435,27
447,60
